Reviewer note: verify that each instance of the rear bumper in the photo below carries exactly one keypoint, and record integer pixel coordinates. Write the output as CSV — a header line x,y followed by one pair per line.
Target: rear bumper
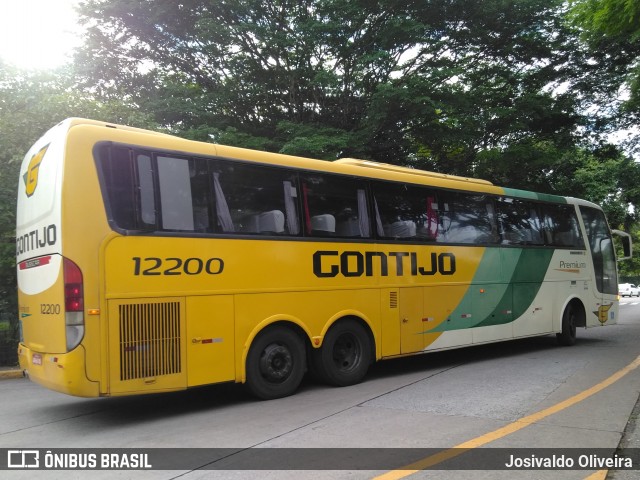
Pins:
x,y
63,372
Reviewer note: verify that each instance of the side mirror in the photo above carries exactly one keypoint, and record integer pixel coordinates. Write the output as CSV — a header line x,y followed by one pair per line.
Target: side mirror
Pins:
x,y
626,244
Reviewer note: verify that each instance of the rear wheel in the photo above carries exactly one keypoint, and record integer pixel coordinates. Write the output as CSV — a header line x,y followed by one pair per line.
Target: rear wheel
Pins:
x,y
345,355
275,363
569,321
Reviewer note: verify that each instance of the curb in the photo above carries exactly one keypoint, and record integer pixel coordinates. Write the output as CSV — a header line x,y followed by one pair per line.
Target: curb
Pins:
x,y
14,373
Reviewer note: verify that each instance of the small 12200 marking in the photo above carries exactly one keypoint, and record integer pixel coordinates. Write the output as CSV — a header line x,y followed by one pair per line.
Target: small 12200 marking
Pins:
x,y
177,266
50,309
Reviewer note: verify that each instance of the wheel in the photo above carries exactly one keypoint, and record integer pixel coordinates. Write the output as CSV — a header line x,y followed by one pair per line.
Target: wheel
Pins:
x,y
345,355
275,364
569,319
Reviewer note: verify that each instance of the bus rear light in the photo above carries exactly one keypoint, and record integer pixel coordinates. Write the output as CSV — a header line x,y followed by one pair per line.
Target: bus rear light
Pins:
x,y
73,291
74,304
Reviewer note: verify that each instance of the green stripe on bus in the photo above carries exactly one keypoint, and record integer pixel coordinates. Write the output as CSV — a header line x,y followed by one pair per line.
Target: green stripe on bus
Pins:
x,y
526,280
544,197
497,298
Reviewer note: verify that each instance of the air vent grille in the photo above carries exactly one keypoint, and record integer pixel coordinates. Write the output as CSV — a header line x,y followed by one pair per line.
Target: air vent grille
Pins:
x,y
393,300
149,340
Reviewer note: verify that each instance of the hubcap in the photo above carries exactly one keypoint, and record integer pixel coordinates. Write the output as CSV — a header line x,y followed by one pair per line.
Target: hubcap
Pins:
x,y
346,352
276,363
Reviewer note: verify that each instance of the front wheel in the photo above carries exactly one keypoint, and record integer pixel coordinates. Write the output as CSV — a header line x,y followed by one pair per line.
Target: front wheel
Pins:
x,y
569,319
275,363
345,355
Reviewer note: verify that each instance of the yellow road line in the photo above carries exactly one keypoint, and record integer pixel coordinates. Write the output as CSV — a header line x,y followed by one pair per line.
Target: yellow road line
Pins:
x,y
599,475
440,457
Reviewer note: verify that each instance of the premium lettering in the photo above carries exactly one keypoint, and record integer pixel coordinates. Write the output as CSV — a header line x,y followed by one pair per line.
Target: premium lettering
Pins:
x,y
564,264
331,263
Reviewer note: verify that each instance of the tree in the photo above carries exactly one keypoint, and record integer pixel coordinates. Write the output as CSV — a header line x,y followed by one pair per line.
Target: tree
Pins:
x,y
30,104
612,30
430,84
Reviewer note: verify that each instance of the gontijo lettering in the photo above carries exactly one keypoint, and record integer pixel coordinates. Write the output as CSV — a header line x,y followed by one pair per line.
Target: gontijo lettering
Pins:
x,y
330,263
35,239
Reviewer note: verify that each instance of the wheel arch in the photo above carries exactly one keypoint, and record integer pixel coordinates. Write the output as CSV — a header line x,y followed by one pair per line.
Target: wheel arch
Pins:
x,y
359,318
292,323
578,305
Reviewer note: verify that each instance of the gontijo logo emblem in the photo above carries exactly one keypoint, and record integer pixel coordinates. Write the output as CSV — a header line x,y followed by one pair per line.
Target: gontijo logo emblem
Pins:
x,y
31,177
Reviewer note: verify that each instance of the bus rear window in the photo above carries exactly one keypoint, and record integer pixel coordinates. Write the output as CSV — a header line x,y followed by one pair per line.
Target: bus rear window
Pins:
x,y
119,186
146,192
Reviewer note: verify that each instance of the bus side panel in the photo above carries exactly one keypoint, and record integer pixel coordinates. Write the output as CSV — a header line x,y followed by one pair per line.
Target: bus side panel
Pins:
x,y
210,339
450,308
494,304
389,321
536,306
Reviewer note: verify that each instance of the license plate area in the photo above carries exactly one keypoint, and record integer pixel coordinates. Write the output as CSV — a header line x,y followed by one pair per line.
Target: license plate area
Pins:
x,y
36,359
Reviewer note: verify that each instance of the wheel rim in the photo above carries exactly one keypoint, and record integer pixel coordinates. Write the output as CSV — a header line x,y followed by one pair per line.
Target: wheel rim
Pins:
x,y
276,363
347,352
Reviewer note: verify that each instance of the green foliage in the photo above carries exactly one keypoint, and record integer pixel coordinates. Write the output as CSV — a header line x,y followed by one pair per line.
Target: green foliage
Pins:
x,y
612,30
313,141
629,270
614,18
431,84
611,179
30,104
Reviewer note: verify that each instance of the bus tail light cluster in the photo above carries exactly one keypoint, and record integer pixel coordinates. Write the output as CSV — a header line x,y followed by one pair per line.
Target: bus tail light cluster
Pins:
x,y
73,303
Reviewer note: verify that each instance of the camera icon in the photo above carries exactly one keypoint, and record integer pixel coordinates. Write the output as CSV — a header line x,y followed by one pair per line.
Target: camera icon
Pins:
x,y
23,459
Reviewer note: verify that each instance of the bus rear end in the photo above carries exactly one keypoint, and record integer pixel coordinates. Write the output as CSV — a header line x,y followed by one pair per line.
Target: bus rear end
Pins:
x,y
50,286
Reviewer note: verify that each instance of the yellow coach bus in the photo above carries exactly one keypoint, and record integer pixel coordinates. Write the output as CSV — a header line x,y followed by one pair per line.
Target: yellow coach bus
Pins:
x,y
149,263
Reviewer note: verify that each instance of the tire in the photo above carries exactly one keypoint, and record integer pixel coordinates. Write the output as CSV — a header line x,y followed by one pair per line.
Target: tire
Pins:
x,y
276,363
568,335
345,355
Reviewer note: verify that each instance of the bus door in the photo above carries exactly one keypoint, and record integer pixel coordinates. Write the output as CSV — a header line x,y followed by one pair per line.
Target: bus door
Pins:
x,y
604,261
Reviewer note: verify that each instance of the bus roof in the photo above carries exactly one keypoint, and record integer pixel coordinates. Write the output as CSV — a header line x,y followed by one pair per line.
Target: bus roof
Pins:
x,y
407,170
347,166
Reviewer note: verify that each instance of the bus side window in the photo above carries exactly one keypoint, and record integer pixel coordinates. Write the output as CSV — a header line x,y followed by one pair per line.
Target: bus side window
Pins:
x,y
561,226
335,206
175,194
254,199
121,179
405,212
146,190
201,195
519,222
466,218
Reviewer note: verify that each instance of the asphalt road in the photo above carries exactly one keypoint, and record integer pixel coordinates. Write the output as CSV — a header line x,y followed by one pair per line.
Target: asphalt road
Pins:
x,y
518,396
